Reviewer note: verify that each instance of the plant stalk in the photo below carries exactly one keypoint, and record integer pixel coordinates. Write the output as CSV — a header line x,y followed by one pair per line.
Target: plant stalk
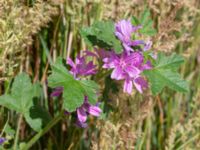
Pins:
x,y
17,132
43,131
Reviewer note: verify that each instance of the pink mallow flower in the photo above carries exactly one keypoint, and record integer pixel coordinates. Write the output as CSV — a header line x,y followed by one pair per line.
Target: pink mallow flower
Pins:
x,y
81,68
85,110
124,30
128,67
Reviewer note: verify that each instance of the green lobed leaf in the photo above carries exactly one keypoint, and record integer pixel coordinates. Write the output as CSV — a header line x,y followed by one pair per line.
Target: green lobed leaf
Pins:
x,y
74,90
21,99
169,62
88,36
90,88
164,74
22,92
102,34
9,102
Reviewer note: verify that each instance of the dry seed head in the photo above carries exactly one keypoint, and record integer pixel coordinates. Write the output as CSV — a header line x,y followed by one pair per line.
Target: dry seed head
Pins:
x,y
18,23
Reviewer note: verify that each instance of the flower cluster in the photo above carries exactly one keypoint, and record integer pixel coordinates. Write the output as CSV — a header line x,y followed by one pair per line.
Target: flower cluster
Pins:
x,y
81,68
124,30
128,65
84,110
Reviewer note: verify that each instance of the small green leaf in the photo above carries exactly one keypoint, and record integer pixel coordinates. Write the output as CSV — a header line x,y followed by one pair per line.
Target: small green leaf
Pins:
x,y
90,88
87,35
135,21
74,90
21,96
148,31
161,78
9,102
144,18
169,62
22,91
164,74
102,34
9,131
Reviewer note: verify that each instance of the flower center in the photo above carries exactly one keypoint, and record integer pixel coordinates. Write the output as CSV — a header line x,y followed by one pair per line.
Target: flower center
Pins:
x,y
126,39
122,64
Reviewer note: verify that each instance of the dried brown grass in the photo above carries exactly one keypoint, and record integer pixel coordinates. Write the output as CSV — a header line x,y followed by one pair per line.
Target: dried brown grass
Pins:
x,y
18,23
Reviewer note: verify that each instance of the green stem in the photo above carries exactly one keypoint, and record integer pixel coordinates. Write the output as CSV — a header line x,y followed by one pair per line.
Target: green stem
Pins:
x,y
46,49
17,133
43,131
6,124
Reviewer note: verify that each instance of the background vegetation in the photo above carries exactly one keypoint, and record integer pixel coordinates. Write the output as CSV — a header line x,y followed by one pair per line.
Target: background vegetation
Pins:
x,y
34,32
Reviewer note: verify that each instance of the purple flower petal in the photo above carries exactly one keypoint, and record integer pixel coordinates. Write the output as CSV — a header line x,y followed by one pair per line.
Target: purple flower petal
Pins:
x,y
81,67
102,53
120,36
135,28
79,60
127,47
2,140
140,84
147,46
124,30
93,110
117,74
71,63
137,59
82,116
89,69
108,63
154,56
147,66
132,71
85,110
57,92
66,112
98,104
137,42
128,85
